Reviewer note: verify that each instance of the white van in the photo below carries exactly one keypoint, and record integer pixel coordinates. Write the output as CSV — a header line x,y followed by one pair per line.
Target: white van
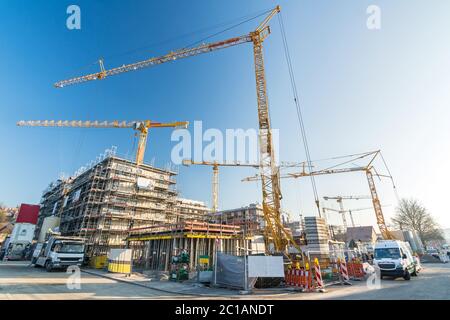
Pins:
x,y
395,259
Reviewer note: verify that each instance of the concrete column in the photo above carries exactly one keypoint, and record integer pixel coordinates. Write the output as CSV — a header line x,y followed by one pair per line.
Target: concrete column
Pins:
x,y
168,253
209,247
196,251
149,254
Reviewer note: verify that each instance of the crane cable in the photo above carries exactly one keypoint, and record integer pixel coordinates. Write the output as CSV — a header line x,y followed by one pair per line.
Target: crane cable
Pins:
x,y
299,111
392,179
229,28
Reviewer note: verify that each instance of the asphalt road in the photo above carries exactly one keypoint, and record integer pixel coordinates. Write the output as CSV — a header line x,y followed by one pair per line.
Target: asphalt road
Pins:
x,y
19,281
432,283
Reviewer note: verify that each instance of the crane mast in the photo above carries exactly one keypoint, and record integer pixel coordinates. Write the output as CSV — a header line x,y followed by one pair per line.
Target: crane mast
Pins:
x,y
215,176
268,170
275,233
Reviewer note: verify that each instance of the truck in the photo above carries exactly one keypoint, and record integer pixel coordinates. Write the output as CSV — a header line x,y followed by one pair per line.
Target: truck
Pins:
x,y
395,259
4,247
20,241
23,232
59,252
18,250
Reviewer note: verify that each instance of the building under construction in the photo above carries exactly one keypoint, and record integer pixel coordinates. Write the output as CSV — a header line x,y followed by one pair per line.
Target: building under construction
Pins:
x,y
156,245
250,217
113,203
103,201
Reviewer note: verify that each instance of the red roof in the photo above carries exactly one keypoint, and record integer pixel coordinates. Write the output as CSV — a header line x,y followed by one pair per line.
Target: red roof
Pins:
x,y
28,213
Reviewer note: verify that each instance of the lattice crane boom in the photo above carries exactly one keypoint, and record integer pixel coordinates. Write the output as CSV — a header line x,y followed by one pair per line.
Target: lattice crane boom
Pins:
x,y
171,56
141,127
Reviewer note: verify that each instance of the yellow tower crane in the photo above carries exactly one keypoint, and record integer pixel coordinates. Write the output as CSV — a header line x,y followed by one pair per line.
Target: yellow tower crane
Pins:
x,y
215,177
275,234
141,127
367,169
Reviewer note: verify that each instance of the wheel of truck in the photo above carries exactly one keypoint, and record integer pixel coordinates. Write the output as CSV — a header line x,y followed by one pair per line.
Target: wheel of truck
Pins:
x,y
49,266
407,275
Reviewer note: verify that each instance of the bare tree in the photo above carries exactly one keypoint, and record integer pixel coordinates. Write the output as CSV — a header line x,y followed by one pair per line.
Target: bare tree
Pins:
x,y
411,215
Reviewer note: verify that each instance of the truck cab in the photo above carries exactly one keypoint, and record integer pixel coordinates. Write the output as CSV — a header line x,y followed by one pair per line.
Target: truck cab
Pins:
x,y
17,250
395,259
59,253
4,247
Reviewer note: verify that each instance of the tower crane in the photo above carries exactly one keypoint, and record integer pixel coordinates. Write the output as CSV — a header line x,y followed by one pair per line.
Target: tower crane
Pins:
x,y
350,211
141,127
367,169
275,234
215,177
340,201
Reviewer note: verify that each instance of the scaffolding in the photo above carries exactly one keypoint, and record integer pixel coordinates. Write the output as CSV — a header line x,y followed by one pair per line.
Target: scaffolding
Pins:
x,y
104,200
113,203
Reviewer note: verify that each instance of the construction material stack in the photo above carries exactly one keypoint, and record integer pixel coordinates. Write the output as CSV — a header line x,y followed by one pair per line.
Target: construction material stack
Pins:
x,y
317,239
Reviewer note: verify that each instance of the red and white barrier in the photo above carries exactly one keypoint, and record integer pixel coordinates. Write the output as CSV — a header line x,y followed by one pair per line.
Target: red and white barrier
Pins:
x,y
318,275
344,271
299,278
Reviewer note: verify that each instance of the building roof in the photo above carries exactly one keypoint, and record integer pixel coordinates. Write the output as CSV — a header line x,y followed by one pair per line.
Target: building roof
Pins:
x,y
28,213
191,202
363,233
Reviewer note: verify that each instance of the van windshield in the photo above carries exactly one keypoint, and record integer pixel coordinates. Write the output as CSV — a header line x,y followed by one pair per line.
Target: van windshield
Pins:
x,y
387,253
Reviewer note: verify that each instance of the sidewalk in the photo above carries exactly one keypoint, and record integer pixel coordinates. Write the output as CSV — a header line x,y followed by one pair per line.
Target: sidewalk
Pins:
x,y
190,289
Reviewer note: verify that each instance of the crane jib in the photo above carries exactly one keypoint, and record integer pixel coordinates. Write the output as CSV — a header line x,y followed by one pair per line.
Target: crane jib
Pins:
x,y
179,54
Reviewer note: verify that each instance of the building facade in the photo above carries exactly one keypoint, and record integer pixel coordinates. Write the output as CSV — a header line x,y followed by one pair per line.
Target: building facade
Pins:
x,y
102,203
251,215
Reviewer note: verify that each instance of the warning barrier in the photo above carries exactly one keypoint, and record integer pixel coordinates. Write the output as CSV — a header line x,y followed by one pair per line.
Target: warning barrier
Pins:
x,y
318,274
343,270
299,278
356,270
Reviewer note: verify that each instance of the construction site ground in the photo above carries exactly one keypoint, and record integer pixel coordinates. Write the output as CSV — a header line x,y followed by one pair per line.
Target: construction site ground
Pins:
x,y
18,280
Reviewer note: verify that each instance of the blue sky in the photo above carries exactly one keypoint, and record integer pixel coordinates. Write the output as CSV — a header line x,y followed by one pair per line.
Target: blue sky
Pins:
x,y
360,90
